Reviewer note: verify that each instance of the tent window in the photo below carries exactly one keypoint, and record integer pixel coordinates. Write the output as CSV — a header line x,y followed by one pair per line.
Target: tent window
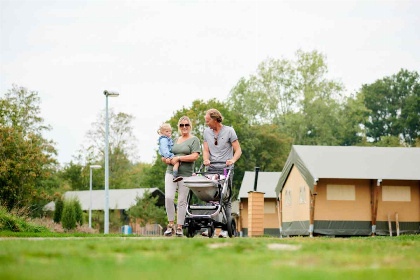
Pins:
x,y
302,195
270,207
341,192
288,198
396,193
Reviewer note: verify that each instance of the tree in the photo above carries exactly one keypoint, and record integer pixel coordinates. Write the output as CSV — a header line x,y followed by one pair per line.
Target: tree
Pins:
x,y
121,136
122,154
68,218
59,205
20,110
394,104
293,94
147,211
26,158
78,212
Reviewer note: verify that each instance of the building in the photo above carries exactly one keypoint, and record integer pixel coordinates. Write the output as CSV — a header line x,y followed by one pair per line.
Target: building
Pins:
x,y
350,190
119,199
267,182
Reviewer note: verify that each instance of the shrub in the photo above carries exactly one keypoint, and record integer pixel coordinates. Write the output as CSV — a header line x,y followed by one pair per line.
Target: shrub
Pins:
x,y
59,204
68,218
147,211
78,211
10,222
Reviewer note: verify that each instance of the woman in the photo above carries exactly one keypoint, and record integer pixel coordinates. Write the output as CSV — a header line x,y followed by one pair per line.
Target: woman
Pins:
x,y
186,150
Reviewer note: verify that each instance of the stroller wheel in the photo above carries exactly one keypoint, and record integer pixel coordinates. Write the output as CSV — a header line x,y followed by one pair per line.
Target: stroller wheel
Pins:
x,y
190,232
231,227
211,232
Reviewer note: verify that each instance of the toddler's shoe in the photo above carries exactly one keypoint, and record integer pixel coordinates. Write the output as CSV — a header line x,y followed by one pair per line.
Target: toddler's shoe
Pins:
x,y
177,179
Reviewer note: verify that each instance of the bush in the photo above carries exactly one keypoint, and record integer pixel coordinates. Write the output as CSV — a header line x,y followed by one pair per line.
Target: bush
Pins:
x,y
78,211
10,222
68,218
59,204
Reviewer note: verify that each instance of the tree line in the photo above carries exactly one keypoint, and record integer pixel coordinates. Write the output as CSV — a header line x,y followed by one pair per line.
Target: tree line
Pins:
x,y
285,102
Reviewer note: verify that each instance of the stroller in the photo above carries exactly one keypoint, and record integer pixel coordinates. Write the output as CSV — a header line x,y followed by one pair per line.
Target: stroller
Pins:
x,y
216,193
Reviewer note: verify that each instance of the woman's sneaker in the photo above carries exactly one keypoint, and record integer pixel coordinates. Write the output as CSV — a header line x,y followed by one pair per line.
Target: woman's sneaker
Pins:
x,y
169,230
179,232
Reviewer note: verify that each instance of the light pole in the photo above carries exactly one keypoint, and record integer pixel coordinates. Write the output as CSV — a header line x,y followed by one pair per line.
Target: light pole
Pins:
x,y
106,210
90,203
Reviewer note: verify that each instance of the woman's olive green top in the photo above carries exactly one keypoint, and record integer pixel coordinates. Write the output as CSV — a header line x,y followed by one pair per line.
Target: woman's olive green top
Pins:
x,y
189,146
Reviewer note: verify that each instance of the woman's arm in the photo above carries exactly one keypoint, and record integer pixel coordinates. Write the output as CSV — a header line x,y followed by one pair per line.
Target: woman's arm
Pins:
x,y
187,158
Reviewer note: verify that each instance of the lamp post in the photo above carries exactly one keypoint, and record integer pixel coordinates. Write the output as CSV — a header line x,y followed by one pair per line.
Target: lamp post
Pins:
x,y
90,203
106,210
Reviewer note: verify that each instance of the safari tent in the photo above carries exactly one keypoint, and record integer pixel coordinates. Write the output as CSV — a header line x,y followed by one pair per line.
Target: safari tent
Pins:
x,y
329,190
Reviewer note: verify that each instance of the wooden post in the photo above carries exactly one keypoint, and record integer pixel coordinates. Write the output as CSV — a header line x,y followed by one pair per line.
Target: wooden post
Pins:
x,y
279,215
374,203
255,214
312,212
389,225
397,224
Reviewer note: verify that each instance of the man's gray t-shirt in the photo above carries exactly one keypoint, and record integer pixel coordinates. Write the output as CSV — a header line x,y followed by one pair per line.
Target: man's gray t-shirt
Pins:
x,y
223,150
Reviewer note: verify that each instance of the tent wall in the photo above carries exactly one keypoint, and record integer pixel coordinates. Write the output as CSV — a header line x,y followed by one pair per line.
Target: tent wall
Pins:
x,y
343,210
408,211
295,210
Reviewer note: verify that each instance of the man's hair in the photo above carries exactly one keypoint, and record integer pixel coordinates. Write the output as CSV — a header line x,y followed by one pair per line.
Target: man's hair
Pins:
x,y
215,115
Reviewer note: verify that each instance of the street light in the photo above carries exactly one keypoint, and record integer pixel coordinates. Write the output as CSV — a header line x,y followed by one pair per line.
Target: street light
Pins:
x,y
90,204
106,210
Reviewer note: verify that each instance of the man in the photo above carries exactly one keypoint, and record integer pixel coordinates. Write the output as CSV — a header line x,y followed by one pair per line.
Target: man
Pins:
x,y
220,144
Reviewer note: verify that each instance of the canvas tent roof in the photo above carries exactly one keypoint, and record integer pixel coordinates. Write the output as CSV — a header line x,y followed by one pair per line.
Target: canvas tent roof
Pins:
x,y
267,182
118,198
349,162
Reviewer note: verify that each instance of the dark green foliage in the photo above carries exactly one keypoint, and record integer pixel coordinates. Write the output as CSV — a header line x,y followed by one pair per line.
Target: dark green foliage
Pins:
x,y
394,104
147,211
78,212
68,218
10,222
59,204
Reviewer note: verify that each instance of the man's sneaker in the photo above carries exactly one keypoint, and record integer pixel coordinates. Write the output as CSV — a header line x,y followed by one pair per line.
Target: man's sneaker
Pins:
x,y
177,179
179,232
205,233
169,230
223,234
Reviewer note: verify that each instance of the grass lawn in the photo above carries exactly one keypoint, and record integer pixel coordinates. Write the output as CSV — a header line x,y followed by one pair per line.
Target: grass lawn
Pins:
x,y
204,258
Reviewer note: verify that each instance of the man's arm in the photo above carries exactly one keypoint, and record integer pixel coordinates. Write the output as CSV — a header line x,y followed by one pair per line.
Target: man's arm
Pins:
x,y
237,153
206,154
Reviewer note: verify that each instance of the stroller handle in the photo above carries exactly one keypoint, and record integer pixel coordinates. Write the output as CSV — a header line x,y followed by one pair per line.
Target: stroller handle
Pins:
x,y
228,167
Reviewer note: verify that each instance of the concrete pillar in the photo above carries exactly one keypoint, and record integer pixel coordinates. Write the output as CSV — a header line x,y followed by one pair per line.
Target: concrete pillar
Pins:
x,y
255,213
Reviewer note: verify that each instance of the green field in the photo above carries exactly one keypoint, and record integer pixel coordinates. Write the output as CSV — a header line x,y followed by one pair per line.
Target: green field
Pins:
x,y
204,258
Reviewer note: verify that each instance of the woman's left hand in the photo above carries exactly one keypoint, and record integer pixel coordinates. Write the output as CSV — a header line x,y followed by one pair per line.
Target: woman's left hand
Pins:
x,y
174,160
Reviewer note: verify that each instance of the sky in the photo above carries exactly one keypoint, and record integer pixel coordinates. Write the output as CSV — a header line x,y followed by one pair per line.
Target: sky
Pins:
x,y
162,55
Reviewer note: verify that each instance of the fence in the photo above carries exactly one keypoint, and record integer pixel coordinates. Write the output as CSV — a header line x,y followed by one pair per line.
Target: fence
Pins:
x,y
149,229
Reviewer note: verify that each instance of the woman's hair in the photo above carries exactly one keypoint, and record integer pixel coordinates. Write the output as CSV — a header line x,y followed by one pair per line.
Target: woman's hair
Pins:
x,y
182,119
163,127
215,115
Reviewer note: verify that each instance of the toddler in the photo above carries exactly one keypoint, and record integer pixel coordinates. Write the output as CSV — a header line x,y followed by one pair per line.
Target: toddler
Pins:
x,y
165,148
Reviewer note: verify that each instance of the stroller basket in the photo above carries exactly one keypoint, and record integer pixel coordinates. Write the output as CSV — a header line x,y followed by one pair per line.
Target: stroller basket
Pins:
x,y
205,189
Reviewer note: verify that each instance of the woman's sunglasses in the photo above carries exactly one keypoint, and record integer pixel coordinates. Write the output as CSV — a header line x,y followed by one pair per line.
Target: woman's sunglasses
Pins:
x,y
215,141
182,125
